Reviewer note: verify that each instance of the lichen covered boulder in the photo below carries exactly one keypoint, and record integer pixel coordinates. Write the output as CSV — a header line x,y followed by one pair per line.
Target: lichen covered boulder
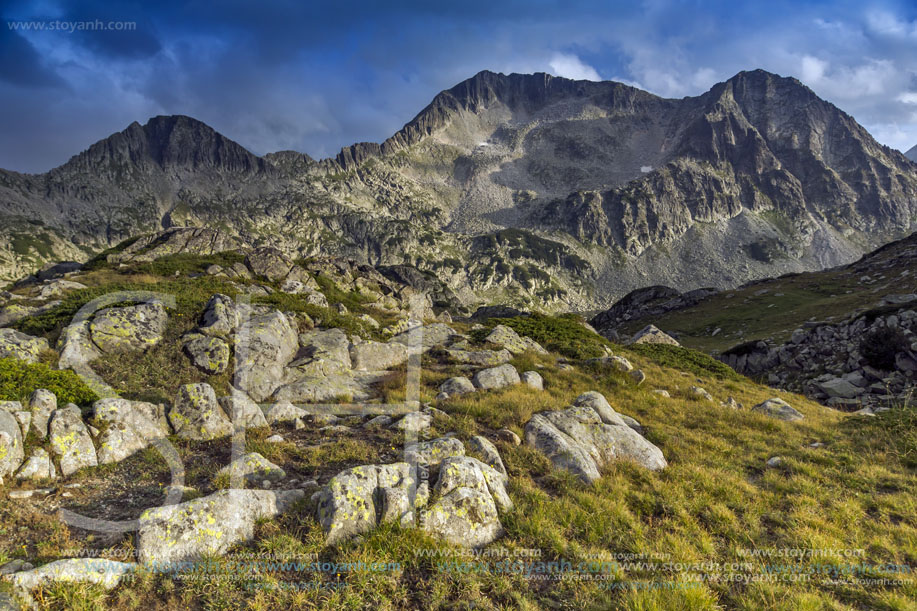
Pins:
x,y
99,571
70,440
254,468
350,504
466,512
136,327
42,404
197,415
209,354
264,346
206,526
17,345
38,466
377,356
131,427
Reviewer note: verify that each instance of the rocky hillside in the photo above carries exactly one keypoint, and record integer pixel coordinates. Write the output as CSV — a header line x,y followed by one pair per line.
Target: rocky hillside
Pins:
x,y
846,336
526,189
183,426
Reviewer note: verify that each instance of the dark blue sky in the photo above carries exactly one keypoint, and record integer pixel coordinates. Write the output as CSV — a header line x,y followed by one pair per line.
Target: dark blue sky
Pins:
x,y
317,76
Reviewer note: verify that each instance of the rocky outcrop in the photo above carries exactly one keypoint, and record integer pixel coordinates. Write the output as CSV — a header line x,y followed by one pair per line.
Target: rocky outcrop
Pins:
x,y
131,427
868,359
651,334
136,327
779,409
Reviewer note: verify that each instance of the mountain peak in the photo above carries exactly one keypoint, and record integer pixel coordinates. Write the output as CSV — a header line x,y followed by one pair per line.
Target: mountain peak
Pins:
x,y
912,153
169,142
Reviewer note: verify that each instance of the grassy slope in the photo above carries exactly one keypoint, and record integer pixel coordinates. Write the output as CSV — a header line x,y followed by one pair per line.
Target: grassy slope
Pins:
x,y
743,315
716,497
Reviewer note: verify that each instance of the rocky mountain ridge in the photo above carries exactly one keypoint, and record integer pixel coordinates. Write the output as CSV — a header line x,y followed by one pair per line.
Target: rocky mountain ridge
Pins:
x,y
528,190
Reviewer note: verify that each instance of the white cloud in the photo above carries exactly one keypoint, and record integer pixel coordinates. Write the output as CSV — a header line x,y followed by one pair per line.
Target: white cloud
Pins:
x,y
572,67
909,97
812,69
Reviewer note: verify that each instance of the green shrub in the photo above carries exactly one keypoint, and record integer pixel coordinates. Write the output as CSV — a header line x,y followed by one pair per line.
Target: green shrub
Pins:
x,y
879,347
19,379
685,359
564,334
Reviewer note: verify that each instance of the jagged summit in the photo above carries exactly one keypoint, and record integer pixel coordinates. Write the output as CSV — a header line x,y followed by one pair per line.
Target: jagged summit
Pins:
x,y
168,142
529,189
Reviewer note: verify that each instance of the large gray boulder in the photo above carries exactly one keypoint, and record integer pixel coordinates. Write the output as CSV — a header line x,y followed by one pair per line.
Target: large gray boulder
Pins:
x,y
778,408
377,356
264,346
206,526
42,404
11,449
131,427
581,441
532,379
496,377
221,317
840,388
136,327
17,345
70,440
429,336
481,358
488,452
269,263
197,415
507,338
470,496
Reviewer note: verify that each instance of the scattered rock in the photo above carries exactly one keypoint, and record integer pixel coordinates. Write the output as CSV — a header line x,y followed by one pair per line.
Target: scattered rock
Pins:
x,y
132,426
207,353
11,448
456,386
466,513
700,393
105,573
414,421
42,404
778,408
496,377
432,453
242,411
377,356
840,388
284,411
532,379
662,393
75,347
774,461
637,376
480,358
508,436
264,345
731,403
38,466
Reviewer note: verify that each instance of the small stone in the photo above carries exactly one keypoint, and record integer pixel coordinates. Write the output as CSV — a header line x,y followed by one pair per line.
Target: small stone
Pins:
x,y
637,376
508,436
775,461
532,379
